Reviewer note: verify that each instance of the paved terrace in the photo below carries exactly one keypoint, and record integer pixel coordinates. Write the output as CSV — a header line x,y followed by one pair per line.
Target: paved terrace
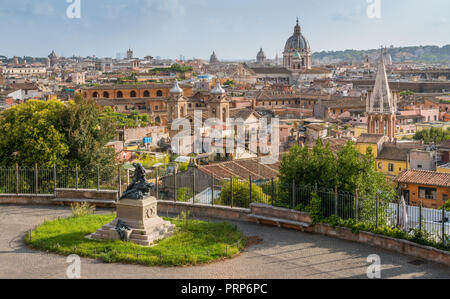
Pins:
x,y
283,254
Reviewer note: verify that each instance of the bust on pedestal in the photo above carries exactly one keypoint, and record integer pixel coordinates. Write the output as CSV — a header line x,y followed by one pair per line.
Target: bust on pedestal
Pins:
x,y
137,218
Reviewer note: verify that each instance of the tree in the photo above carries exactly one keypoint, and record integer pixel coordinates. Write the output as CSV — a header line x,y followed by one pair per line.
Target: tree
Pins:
x,y
347,170
432,135
30,133
87,133
50,133
306,167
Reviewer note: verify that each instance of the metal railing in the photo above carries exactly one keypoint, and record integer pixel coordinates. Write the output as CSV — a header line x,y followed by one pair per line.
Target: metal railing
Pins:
x,y
196,187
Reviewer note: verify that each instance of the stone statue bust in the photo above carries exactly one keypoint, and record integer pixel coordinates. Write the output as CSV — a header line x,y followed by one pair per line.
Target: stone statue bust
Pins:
x,y
139,187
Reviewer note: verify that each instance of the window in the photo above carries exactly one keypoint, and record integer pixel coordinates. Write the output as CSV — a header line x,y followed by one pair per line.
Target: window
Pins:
x,y
156,108
120,94
159,93
146,94
391,167
427,193
444,197
106,94
419,166
132,94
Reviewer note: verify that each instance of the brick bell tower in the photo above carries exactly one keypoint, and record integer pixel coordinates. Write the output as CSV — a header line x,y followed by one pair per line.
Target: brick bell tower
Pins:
x,y
381,105
176,107
218,104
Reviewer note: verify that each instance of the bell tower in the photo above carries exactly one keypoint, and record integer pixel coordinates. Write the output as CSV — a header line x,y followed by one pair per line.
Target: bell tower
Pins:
x,y
381,105
218,104
176,106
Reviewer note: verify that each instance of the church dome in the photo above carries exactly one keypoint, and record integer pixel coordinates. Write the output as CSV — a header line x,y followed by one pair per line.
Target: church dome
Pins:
x,y
213,59
176,89
297,42
218,90
261,55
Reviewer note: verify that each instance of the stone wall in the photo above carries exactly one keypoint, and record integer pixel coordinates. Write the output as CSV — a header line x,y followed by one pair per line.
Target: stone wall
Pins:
x,y
26,199
200,210
388,243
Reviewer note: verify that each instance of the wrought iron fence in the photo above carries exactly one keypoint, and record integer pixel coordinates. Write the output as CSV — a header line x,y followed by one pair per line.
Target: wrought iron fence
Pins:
x,y
198,188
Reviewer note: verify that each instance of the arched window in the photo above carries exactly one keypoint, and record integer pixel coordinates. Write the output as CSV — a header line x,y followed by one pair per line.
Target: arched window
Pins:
x,y
106,95
132,94
146,94
158,120
120,94
95,94
159,93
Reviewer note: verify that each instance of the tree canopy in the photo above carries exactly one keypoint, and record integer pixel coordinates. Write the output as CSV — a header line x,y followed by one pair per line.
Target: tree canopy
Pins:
x,y
31,133
347,170
50,133
433,135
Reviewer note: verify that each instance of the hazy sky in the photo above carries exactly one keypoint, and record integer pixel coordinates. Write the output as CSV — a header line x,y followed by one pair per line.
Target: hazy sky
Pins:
x,y
235,29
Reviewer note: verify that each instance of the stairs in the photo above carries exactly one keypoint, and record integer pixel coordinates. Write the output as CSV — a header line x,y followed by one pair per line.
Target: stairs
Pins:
x,y
159,229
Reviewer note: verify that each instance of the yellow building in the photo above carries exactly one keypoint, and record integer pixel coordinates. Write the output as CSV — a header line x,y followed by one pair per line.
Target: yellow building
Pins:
x,y
443,168
360,129
372,141
392,160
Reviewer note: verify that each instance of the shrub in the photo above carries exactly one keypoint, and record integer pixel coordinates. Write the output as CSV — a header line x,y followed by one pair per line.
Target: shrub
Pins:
x,y
446,206
184,194
82,209
315,208
416,235
241,194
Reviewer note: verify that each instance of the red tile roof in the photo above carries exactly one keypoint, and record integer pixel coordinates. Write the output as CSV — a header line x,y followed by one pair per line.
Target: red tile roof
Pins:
x,y
423,177
242,169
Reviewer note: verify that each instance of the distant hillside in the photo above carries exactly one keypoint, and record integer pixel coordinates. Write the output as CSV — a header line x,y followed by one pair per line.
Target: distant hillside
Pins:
x,y
424,54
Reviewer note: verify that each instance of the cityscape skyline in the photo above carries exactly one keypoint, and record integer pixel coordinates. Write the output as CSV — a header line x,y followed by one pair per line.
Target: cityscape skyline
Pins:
x,y
171,28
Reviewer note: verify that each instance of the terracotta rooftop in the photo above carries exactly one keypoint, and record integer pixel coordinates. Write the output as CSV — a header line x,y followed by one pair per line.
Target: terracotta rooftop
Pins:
x,y
134,86
271,70
242,169
394,153
243,113
370,138
423,177
444,144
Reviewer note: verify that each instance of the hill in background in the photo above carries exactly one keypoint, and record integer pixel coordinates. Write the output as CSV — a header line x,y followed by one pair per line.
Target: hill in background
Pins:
x,y
423,54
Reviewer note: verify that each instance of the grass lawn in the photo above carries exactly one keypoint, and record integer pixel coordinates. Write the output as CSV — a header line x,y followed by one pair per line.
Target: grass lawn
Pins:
x,y
194,242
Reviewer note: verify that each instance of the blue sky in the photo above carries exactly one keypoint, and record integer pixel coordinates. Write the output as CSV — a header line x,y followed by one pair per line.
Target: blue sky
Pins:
x,y
235,29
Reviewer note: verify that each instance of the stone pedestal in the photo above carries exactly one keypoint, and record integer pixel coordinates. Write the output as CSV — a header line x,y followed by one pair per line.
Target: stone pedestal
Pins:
x,y
142,218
